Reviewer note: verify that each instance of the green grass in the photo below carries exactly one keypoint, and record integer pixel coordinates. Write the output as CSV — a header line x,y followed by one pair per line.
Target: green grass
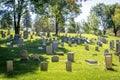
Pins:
x,y
30,70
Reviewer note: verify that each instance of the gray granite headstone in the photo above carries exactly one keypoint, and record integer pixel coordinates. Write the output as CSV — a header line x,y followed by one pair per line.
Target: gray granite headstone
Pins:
x,y
44,66
108,61
111,44
25,35
55,59
55,45
49,50
9,66
68,66
24,55
70,56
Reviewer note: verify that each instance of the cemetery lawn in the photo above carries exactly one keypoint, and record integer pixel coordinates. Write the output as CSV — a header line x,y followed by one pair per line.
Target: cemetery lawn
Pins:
x,y
81,70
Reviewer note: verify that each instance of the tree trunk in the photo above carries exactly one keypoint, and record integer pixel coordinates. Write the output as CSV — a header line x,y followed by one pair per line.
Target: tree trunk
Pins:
x,y
115,30
56,32
56,29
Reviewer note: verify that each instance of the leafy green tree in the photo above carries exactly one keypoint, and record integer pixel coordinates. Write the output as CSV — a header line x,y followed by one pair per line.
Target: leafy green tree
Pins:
x,y
94,23
27,21
6,21
16,8
116,19
100,11
86,27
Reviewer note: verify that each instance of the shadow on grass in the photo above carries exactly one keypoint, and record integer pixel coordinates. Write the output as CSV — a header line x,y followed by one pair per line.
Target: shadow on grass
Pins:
x,y
20,67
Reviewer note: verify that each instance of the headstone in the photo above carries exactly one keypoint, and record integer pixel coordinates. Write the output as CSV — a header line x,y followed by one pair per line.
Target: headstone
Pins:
x,y
60,53
69,43
44,66
108,61
20,42
62,44
17,37
25,35
44,42
49,50
36,57
117,46
24,55
111,44
87,47
55,45
104,40
68,66
3,35
91,61
9,66
106,52
97,48
55,58
70,56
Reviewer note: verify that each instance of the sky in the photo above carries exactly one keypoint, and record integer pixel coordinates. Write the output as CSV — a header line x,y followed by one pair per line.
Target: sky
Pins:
x,y
86,6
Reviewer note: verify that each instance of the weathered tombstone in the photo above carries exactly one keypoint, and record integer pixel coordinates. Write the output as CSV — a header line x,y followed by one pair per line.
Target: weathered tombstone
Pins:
x,y
91,61
97,48
44,42
70,56
17,37
49,50
68,66
44,66
87,47
111,44
69,43
55,59
24,55
104,40
3,35
20,42
55,45
106,52
117,46
108,61
60,53
65,39
62,44
25,35
36,57
9,66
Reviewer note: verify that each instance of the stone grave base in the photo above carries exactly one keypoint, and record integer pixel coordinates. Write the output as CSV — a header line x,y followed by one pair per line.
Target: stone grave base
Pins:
x,y
91,61
60,53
